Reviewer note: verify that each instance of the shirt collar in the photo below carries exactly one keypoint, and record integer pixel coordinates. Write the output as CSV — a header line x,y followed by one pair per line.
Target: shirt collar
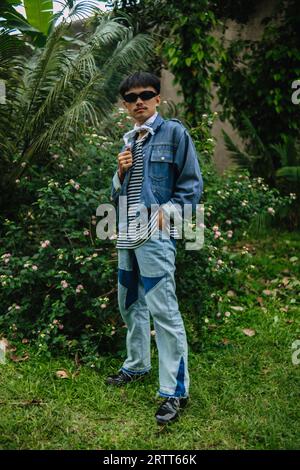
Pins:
x,y
149,121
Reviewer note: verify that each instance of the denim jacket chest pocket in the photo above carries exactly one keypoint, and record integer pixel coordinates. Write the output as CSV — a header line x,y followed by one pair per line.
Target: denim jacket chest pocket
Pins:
x,y
161,162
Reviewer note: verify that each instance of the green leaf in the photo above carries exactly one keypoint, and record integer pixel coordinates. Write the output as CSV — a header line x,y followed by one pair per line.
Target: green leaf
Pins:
x,y
39,13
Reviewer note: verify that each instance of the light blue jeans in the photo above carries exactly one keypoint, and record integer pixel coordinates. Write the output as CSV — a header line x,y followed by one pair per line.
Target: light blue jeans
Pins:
x,y
146,285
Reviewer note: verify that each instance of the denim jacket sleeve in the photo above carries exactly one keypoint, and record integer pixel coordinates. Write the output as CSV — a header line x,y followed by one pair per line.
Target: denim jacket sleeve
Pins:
x,y
189,184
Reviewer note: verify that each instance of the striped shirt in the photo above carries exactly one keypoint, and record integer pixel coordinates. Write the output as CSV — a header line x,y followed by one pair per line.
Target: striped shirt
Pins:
x,y
137,234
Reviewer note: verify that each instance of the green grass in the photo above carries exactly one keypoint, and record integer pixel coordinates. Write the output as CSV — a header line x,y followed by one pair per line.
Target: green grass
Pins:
x,y
244,391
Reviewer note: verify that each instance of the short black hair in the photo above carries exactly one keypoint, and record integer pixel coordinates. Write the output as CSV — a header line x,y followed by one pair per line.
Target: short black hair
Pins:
x,y
139,79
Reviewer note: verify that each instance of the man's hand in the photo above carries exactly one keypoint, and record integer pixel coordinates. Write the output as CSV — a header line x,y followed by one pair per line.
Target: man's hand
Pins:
x,y
124,162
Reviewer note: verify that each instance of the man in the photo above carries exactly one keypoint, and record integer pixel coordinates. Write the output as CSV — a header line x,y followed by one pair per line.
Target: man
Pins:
x,y
159,167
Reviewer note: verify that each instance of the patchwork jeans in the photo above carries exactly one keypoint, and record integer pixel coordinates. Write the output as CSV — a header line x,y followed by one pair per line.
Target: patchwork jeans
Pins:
x,y
146,286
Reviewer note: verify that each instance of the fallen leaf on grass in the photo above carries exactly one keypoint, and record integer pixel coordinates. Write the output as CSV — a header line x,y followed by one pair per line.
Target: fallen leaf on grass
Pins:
x,y
62,374
249,332
285,281
231,293
267,292
236,308
77,372
15,358
284,309
260,300
225,341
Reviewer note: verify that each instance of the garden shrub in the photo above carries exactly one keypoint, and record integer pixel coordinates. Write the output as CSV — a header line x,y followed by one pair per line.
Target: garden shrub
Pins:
x,y
59,281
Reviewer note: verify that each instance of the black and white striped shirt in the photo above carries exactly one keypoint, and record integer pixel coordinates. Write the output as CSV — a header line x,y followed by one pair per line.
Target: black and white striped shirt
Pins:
x,y
136,235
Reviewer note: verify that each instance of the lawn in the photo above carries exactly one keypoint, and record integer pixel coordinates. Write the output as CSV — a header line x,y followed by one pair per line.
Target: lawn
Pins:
x,y
244,389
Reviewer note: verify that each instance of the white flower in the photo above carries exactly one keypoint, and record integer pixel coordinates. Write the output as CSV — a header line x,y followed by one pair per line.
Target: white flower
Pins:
x,y
271,210
64,284
34,267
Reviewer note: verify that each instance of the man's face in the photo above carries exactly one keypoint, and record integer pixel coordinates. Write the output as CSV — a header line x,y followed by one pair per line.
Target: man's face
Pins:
x,y
141,110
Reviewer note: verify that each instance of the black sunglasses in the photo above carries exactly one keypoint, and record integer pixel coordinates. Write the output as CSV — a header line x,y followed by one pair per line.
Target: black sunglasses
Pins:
x,y
145,95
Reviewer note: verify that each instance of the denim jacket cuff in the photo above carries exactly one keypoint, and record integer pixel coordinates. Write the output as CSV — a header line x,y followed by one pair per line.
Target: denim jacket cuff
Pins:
x,y
116,181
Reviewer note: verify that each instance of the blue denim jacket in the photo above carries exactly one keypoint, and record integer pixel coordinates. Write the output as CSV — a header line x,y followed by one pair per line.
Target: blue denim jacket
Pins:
x,y
171,171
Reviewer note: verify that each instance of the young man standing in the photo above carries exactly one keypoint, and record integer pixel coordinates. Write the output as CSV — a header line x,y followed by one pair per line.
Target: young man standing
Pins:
x,y
159,166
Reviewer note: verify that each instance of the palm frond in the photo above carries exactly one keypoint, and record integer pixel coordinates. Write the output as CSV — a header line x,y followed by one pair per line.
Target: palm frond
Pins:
x,y
290,173
76,10
288,152
253,135
243,159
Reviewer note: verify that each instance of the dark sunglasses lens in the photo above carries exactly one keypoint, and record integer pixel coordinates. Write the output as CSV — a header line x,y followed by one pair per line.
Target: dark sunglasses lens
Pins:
x,y
131,97
145,95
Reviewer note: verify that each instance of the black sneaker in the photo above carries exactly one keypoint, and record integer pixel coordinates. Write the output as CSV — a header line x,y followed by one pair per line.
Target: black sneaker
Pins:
x,y
169,409
122,378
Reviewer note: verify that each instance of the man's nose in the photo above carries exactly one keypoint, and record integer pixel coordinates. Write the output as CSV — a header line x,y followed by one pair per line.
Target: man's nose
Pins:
x,y
139,100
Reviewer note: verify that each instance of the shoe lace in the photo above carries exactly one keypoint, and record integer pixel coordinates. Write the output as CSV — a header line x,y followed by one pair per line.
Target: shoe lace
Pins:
x,y
174,401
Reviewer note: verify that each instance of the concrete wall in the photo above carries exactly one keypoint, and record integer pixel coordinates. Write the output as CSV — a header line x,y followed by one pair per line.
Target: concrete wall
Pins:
x,y
252,30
